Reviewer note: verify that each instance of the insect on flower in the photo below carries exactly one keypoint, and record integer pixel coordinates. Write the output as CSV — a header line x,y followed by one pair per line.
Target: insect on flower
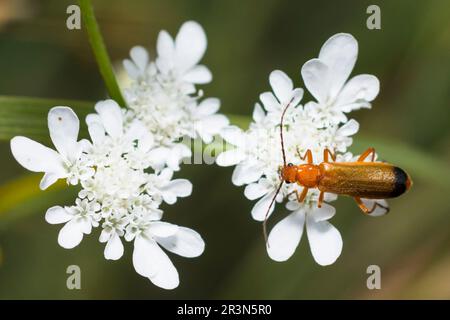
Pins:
x,y
359,179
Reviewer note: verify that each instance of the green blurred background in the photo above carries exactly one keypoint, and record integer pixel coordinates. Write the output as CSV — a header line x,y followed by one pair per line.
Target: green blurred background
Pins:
x,y
408,125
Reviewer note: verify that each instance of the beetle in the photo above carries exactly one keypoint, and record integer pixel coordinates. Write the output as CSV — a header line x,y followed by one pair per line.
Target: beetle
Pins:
x,y
358,179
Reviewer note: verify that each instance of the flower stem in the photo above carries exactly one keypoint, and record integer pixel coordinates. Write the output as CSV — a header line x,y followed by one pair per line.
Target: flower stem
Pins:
x,y
100,53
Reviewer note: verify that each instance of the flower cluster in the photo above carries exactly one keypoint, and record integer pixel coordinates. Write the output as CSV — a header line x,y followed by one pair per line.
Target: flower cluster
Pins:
x,y
164,98
316,125
126,169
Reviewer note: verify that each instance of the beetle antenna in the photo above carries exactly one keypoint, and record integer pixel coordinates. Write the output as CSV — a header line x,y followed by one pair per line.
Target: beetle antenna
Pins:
x,y
281,130
267,212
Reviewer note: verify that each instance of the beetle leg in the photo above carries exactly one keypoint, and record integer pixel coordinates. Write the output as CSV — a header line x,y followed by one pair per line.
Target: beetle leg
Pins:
x,y
364,208
300,197
326,153
366,153
307,156
319,202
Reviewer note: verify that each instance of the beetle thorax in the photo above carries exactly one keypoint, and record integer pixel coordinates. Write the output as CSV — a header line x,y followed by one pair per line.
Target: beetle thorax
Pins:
x,y
307,175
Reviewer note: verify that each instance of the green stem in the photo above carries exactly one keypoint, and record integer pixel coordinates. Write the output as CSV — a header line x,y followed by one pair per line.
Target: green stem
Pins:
x,y
100,53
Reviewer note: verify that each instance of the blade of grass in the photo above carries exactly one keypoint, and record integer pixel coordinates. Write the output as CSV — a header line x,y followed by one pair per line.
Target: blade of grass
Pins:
x,y
100,53
28,116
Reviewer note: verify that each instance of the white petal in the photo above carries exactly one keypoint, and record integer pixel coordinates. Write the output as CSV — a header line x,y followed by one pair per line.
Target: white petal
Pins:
x,y
162,229
234,135
186,242
190,45
198,75
114,248
144,253
104,236
211,126
316,76
348,129
361,88
140,57
131,69
48,179
325,241
70,235
56,215
85,225
96,132
151,262
230,157
281,85
269,101
324,213
64,125
111,116
380,210
36,157
339,53
254,191
165,46
177,188
297,96
258,113
207,107
245,173
285,236
93,118
260,208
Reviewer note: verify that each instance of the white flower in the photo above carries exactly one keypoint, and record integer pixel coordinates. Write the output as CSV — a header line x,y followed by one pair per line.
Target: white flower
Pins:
x,y
123,191
151,261
78,220
207,122
326,79
163,188
163,96
315,126
63,125
179,58
325,240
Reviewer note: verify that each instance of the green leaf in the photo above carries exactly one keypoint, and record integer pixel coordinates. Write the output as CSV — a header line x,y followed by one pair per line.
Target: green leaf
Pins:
x,y
28,116
100,53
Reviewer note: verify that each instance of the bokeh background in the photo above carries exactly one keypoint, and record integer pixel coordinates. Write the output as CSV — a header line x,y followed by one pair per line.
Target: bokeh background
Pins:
x,y
408,125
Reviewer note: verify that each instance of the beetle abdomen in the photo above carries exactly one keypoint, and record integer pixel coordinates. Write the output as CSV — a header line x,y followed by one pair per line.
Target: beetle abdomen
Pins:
x,y
371,180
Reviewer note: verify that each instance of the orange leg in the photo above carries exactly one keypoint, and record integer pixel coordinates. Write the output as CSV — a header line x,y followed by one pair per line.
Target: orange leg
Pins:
x,y
365,154
319,203
326,153
300,197
366,210
307,156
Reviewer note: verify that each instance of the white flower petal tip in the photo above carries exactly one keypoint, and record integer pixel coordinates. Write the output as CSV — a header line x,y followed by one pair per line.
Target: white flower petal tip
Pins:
x,y
70,235
190,45
185,242
259,210
114,248
151,262
57,215
281,85
325,241
285,236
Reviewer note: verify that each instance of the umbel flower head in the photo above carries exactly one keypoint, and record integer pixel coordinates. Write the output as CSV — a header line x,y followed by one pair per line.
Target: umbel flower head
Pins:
x,y
163,96
317,125
126,169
